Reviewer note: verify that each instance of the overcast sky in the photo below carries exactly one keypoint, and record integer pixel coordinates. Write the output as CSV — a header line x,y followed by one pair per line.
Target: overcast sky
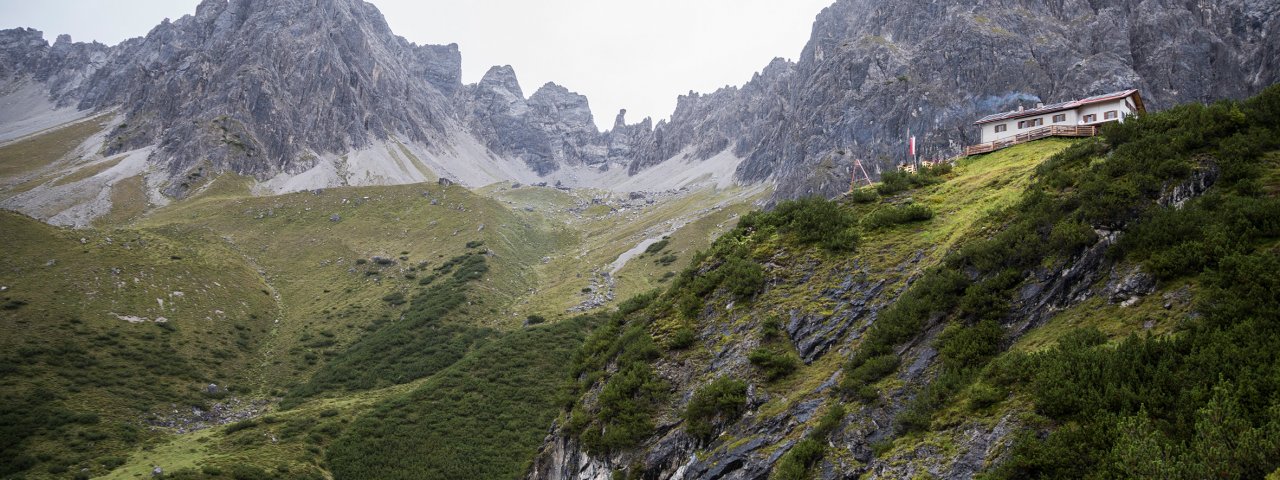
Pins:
x,y
637,55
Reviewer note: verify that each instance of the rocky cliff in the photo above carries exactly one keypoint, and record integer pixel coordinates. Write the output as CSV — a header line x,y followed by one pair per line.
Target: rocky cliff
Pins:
x,y
875,70
265,88
271,88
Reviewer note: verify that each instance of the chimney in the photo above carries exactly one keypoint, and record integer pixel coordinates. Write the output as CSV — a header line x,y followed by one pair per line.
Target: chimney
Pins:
x,y
1020,108
1039,105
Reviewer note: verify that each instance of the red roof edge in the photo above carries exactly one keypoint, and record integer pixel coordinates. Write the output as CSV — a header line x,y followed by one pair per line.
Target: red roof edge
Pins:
x,y
1013,115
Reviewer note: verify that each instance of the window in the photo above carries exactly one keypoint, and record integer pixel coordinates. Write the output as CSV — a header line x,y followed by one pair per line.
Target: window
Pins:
x,y
1090,118
1031,123
1111,115
1059,118
1002,127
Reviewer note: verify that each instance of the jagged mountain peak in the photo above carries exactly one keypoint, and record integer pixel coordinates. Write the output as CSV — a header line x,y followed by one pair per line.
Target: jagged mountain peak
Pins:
x,y
269,88
556,102
502,77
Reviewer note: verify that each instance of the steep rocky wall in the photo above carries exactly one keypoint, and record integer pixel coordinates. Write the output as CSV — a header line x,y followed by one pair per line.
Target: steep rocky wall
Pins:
x,y
261,87
876,70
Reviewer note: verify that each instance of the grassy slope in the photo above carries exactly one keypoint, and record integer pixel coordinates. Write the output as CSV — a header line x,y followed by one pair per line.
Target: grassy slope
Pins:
x,y
276,290
68,341
307,260
23,163
978,189
311,261
972,203
597,236
501,400
968,204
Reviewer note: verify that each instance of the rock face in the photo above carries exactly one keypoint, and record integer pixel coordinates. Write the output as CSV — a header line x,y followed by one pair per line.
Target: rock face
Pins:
x,y
553,127
270,87
875,70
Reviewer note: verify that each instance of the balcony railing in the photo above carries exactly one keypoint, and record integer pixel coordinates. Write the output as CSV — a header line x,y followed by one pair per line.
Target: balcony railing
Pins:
x,y
1039,133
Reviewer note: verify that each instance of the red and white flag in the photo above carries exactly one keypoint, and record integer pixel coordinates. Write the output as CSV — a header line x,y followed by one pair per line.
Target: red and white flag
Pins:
x,y
911,147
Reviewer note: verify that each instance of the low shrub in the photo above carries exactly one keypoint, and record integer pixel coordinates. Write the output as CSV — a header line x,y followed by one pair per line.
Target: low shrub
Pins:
x,y
241,425
723,400
797,463
774,364
869,371
895,181
809,221
863,195
983,395
896,215
682,338
657,247
395,299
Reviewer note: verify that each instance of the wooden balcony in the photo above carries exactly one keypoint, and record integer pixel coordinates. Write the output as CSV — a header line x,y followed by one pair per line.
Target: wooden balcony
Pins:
x,y
1032,135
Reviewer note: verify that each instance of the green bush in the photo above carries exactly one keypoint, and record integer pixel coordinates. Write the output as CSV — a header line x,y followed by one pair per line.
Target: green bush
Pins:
x,y
774,364
626,406
829,422
743,278
623,413
246,472
896,215
684,337
657,247
1069,237
809,221
936,292
798,462
241,425
895,181
771,329
395,299
970,346
722,401
869,371
863,195
983,395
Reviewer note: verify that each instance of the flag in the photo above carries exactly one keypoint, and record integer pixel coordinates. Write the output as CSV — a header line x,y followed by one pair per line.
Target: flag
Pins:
x,y
911,148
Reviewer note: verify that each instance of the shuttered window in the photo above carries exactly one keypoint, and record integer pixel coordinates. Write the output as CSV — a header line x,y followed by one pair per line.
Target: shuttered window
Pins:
x,y
1031,123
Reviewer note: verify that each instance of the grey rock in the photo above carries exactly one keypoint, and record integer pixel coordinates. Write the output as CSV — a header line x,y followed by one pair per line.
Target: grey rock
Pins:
x,y
1201,179
874,70
1127,287
262,87
814,335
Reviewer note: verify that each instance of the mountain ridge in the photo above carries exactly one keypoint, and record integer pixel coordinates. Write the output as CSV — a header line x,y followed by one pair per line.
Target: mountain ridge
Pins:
x,y
221,91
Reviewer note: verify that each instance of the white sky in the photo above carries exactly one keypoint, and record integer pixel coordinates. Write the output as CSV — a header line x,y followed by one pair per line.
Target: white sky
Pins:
x,y
637,55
